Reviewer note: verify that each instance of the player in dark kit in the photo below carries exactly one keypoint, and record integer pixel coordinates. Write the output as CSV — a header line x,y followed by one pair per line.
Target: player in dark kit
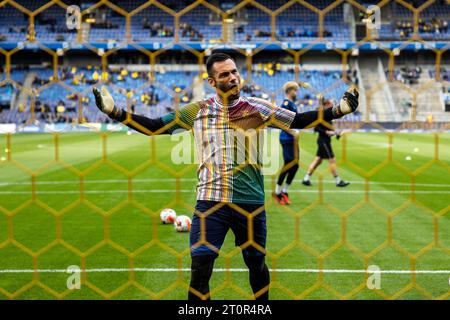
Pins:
x,y
230,189
289,144
325,151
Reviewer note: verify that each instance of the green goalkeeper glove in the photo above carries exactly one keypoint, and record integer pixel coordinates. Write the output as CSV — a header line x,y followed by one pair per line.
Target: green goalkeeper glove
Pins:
x,y
105,103
348,104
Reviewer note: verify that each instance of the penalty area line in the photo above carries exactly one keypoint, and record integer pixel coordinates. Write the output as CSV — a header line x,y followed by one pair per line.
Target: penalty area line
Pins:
x,y
136,191
225,270
146,180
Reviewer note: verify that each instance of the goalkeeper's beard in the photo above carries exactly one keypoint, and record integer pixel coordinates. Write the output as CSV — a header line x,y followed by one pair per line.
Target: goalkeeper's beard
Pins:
x,y
228,93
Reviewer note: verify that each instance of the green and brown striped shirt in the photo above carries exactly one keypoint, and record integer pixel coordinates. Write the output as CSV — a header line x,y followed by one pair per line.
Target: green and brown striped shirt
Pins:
x,y
229,144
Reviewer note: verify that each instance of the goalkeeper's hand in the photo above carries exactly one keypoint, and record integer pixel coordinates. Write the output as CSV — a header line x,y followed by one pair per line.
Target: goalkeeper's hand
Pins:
x,y
105,102
348,104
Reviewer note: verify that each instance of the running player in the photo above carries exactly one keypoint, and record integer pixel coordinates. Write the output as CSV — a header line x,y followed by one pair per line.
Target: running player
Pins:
x,y
289,144
325,151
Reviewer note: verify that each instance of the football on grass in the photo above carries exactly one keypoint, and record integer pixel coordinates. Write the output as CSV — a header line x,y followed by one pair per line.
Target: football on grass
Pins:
x,y
182,224
168,216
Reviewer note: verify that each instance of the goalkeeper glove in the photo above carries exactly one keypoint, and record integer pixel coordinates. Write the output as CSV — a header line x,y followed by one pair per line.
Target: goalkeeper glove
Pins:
x,y
105,103
348,104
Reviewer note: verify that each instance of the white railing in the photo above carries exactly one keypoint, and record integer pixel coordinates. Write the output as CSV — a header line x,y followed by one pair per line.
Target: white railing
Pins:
x,y
362,89
387,91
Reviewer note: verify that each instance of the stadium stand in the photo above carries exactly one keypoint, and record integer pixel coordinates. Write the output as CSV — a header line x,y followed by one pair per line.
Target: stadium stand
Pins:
x,y
433,21
295,24
156,99
249,24
14,24
51,26
152,25
416,85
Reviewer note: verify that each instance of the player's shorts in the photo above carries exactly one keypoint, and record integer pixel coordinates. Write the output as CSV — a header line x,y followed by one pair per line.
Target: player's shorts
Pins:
x,y
324,150
290,150
220,220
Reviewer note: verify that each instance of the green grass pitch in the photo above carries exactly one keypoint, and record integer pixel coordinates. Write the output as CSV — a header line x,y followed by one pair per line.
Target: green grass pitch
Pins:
x,y
393,215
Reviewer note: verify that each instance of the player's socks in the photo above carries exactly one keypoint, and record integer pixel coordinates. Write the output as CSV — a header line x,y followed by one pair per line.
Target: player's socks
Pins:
x,y
338,179
277,189
259,276
306,181
284,193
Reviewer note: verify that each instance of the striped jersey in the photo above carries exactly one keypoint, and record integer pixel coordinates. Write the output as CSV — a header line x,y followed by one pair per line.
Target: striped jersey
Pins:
x,y
228,142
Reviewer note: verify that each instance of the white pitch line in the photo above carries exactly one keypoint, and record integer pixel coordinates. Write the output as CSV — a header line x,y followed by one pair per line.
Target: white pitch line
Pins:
x,y
228,270
77,182
435,192
63,182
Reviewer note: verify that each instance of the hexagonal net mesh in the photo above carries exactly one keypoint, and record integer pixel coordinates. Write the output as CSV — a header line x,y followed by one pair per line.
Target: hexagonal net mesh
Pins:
x,y
93,201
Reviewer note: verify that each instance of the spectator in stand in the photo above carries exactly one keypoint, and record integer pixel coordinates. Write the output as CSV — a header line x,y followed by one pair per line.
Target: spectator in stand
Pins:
x,y
435,25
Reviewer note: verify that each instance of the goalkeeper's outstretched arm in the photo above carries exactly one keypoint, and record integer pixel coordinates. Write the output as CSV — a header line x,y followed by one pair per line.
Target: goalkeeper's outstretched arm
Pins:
x,y
105,103
142,124
348,104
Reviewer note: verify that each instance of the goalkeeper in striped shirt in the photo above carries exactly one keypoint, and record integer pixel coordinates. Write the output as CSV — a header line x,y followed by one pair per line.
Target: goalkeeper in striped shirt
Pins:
x,y
230,189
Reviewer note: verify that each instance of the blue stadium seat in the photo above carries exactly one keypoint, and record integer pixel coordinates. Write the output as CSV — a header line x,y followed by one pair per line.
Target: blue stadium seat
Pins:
x,y
164,87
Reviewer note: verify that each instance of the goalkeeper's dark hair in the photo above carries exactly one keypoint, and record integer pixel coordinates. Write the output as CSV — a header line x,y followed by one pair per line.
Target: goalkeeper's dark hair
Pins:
x,y
216,57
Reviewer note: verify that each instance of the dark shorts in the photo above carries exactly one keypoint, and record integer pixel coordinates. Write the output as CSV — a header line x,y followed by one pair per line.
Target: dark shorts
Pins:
x,y
324,150
220,220
290,151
